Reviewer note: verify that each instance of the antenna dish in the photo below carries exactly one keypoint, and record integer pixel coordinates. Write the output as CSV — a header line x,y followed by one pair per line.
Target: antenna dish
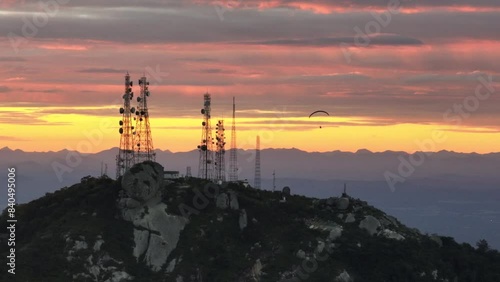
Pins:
x,y
122,110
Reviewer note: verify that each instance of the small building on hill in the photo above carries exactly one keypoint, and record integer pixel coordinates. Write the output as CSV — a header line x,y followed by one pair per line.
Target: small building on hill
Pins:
x,y
170,174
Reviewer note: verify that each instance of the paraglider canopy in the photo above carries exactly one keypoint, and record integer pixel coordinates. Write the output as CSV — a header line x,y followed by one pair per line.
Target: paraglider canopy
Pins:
x,y
320,111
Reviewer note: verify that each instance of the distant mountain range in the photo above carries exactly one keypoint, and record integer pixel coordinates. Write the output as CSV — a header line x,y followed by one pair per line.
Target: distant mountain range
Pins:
x,y
449,193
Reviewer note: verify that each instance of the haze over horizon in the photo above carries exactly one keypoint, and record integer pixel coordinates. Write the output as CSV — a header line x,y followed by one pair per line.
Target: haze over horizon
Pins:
x,y
388,77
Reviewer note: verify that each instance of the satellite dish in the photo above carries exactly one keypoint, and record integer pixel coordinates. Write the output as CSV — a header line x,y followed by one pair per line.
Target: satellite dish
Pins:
x,y
122,110
202,111
121,130
131,83
138,99
121,122
132,110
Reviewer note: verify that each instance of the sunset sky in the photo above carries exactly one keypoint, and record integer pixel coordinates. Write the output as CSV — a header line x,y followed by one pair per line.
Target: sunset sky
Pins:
x,y
391,74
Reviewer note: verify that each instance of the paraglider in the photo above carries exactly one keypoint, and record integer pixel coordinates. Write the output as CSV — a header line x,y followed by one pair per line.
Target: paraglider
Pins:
x,y
320,111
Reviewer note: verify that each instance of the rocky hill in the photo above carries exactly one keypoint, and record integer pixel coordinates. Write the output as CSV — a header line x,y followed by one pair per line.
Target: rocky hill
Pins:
x,y
142,228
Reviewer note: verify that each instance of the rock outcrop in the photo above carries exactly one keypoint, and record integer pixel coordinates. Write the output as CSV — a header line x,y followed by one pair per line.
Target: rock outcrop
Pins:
x,y
370,224
343,277
143,181
243,221
156,233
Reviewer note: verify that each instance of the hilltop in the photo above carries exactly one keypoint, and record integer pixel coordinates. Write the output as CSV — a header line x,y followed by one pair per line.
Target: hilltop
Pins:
x,y
192,230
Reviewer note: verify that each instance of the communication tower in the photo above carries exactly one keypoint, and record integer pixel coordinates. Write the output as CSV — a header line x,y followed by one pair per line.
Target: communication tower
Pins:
x,y
143,141
220,152
205,167
257,164
125,157
233,161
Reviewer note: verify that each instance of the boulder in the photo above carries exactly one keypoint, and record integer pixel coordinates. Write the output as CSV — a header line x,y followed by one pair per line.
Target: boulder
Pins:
x,y
343,277
222,201
392,234
243,221
156,233
301,254
350,218
143,181
343,203
256,270
335,233
370,224
233,200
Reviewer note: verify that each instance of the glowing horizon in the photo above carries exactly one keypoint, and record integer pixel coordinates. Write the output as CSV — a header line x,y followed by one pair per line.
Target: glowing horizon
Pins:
x,y
387,78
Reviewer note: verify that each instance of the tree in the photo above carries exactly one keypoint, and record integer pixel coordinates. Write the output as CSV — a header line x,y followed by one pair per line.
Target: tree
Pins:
x,y
482,246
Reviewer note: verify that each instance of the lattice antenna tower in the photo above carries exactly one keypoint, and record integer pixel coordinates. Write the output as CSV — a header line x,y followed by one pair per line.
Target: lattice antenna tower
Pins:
x,y
188,171
274,180
220,152
205,166
143,140
233,160
257,164
125,157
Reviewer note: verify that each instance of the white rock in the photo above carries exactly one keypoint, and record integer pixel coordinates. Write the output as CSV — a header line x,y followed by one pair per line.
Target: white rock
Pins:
x,y
120,276
350,218
335,233
94,270
343,277
98,244
141,239
171,266
233,198
370,224
257,270
435,274
320,247
301,254
392,234
80,245
243,219
156,256
157,221
222,201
